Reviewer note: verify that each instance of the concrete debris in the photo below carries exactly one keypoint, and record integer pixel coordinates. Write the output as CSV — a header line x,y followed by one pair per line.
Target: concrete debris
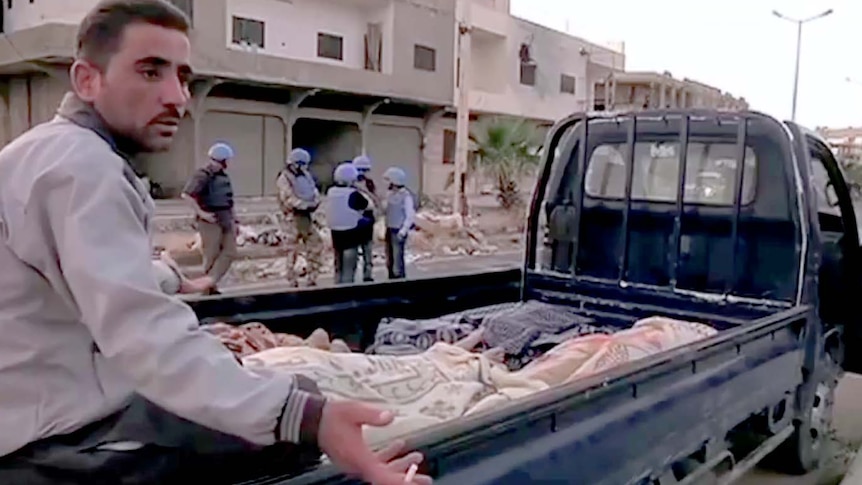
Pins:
x,y
450,235
264,236
435,233
256,270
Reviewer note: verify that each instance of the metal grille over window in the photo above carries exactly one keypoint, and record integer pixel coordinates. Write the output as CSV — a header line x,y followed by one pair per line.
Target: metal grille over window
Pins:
x,y
709,178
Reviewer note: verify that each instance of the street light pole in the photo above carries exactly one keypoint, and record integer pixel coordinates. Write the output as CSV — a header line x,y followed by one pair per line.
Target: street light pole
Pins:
x,y
796,73
799,23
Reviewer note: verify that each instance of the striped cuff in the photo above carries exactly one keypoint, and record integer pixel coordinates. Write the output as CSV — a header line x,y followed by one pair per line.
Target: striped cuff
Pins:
x,y
300,417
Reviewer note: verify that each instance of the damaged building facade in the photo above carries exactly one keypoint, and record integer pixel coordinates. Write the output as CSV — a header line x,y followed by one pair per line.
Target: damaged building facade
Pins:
x,y
518,69
632,91
339,78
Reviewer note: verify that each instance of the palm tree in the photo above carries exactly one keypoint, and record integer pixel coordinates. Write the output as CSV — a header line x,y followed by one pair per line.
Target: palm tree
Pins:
x,y
505,150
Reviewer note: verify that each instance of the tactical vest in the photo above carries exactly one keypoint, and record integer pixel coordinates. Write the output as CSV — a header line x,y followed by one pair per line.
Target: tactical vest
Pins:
x,y
395,213
302,184
339,215
218,195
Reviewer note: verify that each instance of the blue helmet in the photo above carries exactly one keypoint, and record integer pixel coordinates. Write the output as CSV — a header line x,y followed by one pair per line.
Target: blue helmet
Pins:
x,y
362,163
395,176
220,152
345,174
299,156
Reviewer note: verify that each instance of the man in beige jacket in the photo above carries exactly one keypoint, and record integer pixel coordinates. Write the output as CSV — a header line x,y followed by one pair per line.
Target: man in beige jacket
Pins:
x,y
103,377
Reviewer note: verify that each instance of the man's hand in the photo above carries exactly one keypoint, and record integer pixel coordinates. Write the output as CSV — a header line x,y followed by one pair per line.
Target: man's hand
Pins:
x,y
340,437
207,216
197,285
402,234
390,456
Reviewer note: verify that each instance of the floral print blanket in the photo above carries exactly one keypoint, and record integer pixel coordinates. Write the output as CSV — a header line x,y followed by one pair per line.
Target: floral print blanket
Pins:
x,y
447,382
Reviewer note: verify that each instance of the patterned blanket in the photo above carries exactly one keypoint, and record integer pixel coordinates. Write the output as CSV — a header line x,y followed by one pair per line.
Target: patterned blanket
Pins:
x,y
422,390
447,381
522,330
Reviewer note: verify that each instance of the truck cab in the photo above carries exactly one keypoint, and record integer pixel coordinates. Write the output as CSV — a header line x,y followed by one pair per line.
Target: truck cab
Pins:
x,y
771,229
731,219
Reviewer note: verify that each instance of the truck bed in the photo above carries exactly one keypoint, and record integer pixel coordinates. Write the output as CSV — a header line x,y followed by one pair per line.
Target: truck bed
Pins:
x,y
685,402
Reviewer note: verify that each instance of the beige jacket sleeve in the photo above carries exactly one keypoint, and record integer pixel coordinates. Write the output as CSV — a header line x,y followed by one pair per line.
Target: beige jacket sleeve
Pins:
x,y
91,219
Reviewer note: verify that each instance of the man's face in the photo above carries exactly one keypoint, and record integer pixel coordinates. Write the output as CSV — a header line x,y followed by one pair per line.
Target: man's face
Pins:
x,y
218,165
143,89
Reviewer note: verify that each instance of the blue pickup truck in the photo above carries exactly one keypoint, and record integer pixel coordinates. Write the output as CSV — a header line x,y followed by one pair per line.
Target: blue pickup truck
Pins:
x,y
732,219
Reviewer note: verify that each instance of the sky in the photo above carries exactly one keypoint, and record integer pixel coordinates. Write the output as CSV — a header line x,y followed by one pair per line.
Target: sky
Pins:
x,y
738,46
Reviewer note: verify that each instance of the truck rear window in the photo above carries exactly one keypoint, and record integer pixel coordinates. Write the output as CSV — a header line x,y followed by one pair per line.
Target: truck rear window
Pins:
x,y
709,178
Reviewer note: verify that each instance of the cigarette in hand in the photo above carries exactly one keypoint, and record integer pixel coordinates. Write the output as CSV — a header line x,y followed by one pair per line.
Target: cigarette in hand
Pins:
x,y
411,473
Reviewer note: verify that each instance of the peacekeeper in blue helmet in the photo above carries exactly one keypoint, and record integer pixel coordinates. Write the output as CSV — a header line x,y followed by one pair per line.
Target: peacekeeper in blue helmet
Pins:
x,y
345,206
400,217
211,194
299,198
365,185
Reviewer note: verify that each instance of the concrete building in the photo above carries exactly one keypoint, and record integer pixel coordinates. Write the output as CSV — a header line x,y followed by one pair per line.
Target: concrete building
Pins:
x,y
336,76
341,77
519,69
523,69
845,142
627,91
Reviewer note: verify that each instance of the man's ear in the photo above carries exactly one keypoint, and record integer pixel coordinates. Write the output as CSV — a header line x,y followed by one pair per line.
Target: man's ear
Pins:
x,y
86,79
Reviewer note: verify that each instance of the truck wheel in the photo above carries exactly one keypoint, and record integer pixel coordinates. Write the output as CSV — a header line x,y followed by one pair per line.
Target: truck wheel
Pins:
x,y
801,453
682,470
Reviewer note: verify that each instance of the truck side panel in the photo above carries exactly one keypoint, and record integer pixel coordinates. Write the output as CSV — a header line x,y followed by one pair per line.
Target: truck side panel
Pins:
x,y
353,312
674,404
637,431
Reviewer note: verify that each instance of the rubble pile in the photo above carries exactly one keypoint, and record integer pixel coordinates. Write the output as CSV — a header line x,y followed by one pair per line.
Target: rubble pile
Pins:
x,y
263,236
449,235
256,270
435,234
259,270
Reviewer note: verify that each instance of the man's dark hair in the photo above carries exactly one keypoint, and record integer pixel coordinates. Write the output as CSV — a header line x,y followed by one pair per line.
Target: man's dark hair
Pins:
x,y
101,31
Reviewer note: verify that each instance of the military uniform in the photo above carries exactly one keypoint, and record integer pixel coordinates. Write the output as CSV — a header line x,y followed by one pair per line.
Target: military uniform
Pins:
x,y
298,199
